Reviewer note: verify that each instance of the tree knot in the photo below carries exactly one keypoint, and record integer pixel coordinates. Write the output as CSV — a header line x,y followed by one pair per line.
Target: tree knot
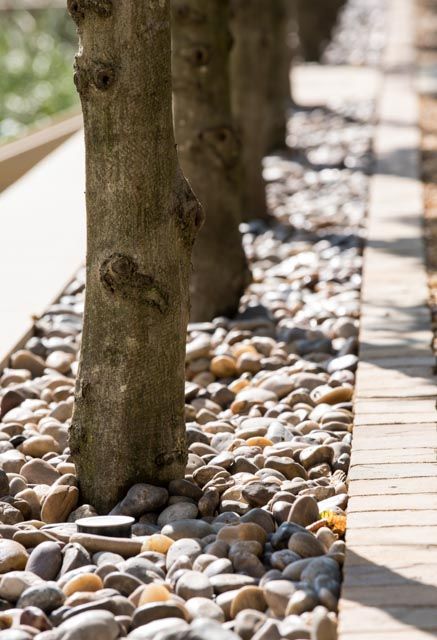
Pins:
x,y
224,144
99,74
121,276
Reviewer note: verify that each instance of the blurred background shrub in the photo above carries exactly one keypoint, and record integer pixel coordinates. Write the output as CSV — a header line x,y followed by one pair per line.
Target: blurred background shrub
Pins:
x,y
36,76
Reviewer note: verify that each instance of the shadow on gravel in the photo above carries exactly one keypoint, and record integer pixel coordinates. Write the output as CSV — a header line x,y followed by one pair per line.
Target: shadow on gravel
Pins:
x,y
404,599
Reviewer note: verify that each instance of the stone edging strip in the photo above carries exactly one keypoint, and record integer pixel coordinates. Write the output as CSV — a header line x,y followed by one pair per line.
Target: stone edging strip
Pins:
x,y
390,573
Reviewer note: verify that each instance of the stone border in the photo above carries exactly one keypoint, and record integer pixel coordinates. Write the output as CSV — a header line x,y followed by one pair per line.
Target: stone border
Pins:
x,y
390,574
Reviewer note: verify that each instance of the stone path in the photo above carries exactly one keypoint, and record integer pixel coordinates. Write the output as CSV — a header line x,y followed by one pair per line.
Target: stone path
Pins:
x,y
390,584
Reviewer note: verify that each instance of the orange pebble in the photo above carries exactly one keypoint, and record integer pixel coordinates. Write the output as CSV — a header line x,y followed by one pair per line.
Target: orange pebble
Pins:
x,y
258,441
238,385
153,593
83,582
223,366
157,542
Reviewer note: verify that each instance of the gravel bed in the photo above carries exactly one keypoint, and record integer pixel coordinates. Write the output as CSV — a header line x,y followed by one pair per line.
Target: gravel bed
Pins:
x,y
250,544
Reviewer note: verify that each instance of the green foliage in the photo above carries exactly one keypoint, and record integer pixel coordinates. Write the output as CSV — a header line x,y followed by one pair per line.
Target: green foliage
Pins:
x,y
36,59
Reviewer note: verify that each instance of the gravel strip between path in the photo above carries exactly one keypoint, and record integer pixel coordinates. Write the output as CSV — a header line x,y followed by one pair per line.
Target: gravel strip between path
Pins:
x,y
250,543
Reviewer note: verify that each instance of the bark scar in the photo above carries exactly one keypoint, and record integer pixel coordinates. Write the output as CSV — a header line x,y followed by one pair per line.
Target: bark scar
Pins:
x,y
189,213
121,276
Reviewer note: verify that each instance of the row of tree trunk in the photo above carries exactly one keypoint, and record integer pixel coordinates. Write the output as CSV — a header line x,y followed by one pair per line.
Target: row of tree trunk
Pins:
x,y
228,72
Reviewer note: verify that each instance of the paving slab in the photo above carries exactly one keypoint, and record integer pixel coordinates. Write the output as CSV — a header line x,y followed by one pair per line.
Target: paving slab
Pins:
x,y
390,572
411,502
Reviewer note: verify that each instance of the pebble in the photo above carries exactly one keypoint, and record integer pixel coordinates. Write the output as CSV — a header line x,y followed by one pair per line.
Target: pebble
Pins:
x,y
90,625
200,607
39,472
178,511
45,560
183,547
304,511
187,529
153,593
306,545
193,584
83,582
230,581
140,499
13,556
277,594
13,583
46,596
59,503
249,597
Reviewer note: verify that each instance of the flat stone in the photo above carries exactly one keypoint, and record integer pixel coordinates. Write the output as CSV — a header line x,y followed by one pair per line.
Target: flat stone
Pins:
x,y
187,529
230,582
287,466
306,545
178,511
141,498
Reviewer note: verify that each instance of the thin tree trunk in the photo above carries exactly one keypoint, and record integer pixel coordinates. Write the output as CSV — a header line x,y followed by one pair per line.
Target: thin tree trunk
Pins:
x,y
316,20
279,87
142,217
209,152
252,27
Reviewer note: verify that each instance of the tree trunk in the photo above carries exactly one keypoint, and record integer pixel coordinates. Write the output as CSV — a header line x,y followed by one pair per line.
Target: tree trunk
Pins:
x,y
209,152
252,29
316,20
279,87
128,422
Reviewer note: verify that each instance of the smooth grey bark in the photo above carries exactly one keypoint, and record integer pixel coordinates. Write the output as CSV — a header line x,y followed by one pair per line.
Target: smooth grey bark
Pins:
x,y
252,30
128,423
316,20
279,84
209,152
